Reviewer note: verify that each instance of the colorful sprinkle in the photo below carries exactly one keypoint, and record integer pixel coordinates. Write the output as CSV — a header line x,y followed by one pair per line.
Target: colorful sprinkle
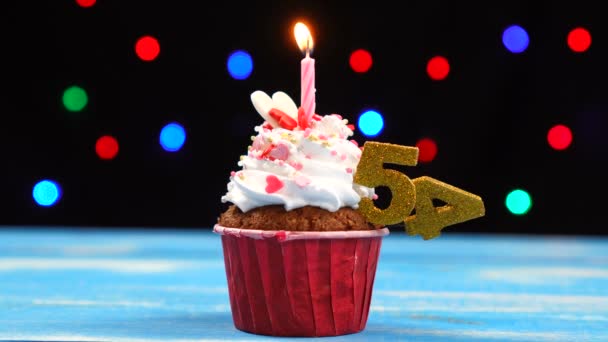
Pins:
x,y
273,184
334,152
296,165
375,197
232,173
354,142
349,170
302,181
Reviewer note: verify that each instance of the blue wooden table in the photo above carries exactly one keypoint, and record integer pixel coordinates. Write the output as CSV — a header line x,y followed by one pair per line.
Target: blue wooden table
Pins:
x,y
136,285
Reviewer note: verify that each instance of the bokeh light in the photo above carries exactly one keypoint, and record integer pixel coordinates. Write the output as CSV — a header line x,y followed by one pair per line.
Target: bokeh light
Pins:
x,y
579,39
427,150
360,61
438,68
515,39
559,137
75,99
106,147
46,193
240,65
85,3
172,137
518,202
147,48
370,123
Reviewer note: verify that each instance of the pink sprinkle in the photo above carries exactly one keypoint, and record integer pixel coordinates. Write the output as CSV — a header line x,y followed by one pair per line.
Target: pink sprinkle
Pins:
x,y
308,156
343,157
333,153
281,152
354,142
232,173
273,184
302,181
322,137
338,116
349,170
375,197
307,132
296,165
281,236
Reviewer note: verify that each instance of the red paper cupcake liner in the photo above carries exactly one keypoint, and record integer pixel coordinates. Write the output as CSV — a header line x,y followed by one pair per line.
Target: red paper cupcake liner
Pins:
x,y
286,283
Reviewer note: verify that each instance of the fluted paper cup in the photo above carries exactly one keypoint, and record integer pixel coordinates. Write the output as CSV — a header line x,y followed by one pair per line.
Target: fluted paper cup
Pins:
x,y
292,283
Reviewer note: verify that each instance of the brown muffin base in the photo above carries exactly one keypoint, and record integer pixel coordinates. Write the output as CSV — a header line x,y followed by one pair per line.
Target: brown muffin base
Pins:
x,y
275,217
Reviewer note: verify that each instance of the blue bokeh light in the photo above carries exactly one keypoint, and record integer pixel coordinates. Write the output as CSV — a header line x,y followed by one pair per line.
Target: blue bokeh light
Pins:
x,y
371,123
46,193
240,65
172,137
515,39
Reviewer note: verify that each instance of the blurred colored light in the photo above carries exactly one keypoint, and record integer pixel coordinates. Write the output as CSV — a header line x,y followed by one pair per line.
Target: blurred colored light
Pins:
x,y
147,48
371,123
240,65
515,39
559,137
75,98
106,147
85,3
427,150
172,137
360,60
518,202
438,68
46,193
579,39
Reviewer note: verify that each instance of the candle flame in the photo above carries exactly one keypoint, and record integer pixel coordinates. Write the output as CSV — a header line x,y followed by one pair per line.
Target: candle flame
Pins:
x,y
303,38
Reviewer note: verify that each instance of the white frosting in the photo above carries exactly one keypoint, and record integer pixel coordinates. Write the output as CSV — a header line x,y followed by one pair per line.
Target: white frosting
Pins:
x,y
299,167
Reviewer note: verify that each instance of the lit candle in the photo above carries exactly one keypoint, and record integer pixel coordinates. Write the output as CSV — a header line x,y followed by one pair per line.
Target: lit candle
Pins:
x,y
307,80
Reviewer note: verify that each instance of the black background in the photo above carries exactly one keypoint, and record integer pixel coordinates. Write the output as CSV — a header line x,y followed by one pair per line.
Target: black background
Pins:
x,y
490,116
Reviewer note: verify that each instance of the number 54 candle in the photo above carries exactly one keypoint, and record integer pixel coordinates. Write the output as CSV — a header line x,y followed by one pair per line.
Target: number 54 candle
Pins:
x,y
407,194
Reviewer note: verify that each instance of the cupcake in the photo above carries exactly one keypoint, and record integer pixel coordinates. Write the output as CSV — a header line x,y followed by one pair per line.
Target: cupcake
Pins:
x,y
300,258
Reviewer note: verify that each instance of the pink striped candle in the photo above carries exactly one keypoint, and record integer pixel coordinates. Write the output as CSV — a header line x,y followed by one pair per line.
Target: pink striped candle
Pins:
x,y
307,95
307,90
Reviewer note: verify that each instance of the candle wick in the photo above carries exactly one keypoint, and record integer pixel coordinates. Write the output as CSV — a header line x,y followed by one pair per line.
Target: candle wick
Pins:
x,y
307,47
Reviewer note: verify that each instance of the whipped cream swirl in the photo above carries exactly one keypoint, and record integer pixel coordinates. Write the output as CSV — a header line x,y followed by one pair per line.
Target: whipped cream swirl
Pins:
x,y
301,166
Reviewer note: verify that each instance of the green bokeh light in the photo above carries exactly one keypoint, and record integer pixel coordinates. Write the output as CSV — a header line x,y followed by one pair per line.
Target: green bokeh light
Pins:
x,y
75,98
518,202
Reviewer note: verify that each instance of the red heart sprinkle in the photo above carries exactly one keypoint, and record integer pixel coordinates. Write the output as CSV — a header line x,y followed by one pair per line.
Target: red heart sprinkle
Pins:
x,y
273,184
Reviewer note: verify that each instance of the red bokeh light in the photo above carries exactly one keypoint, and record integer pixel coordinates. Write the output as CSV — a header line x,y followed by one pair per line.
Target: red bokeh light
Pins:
x,y
438,68
559,137
147,48
85,3
427,150
579,39
360,60
106,147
